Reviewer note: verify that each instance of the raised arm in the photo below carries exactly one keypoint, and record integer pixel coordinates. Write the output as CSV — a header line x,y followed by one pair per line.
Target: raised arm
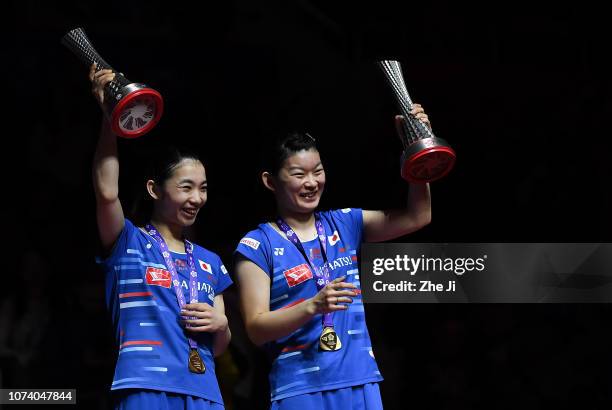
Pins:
x,y
109,213
384,225
263,325
389,224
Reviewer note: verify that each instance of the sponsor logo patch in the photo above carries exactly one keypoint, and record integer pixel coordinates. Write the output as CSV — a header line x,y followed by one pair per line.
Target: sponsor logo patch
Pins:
x,y
250,242
346,210
181,265
223,269
297,275
315,253
158,277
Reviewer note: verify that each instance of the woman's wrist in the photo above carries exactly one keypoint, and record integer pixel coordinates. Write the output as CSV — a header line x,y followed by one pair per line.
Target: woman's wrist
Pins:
x,y
310,306
225,324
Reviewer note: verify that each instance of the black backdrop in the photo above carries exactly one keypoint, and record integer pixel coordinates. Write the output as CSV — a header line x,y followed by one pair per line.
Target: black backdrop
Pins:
x,y
519,90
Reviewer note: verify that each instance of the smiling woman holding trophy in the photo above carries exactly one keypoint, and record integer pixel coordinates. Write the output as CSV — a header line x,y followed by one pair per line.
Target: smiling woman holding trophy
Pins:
x,y
164,292
298,274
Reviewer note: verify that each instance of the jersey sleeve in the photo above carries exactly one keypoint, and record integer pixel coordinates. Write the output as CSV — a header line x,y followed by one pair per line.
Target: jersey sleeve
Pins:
x,y
352,221
256,248
224,280
121,244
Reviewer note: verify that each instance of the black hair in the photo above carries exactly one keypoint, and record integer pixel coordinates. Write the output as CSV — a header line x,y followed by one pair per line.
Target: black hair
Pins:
x,y
285,147
166,161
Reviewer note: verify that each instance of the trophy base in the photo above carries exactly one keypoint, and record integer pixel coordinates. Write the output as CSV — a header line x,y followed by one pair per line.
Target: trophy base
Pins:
x,y
137,111
427,160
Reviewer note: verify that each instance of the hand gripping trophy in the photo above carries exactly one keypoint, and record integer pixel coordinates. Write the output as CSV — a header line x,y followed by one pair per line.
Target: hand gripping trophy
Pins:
x,y
426,157
134,108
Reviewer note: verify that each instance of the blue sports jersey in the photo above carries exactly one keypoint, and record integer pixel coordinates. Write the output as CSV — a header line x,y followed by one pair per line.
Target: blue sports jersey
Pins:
x,y
298,366
153,347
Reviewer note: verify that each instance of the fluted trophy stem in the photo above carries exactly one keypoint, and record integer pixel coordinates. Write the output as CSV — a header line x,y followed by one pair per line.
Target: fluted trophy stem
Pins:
x,y
426,157
77,41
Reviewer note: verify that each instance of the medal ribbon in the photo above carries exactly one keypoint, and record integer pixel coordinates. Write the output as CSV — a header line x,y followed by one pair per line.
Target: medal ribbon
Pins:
x,y
193,274
322,275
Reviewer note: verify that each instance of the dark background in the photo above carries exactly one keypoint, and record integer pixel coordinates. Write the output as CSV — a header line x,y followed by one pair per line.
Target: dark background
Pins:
x,y
519,90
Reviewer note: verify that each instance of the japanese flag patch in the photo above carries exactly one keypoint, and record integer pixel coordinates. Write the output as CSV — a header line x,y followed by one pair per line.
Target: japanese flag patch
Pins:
x,y
334,238
205,266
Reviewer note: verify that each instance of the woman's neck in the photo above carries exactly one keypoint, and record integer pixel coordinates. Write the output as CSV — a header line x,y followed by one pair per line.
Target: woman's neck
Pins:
x,y
302,224
172,234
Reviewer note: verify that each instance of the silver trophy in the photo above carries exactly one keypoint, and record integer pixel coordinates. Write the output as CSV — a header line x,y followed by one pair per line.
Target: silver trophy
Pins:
x,y
426,157
134,108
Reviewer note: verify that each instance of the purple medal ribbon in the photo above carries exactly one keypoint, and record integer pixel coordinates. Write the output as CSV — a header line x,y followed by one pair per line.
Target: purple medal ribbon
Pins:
x,y
193,274
322,275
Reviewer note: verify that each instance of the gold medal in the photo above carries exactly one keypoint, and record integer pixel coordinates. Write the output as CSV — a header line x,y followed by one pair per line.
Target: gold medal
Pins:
x,y
196,365
329,340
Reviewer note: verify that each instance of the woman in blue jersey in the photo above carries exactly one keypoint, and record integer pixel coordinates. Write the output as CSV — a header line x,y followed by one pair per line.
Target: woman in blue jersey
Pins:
x,y
299,283
163,292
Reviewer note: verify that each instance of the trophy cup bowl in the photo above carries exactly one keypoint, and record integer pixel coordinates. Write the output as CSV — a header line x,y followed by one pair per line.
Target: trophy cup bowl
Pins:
x,y
427,160
133,108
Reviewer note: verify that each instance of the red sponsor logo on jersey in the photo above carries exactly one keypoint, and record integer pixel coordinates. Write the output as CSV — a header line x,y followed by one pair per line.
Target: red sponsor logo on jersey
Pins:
x,y
354,258
158,277
297,275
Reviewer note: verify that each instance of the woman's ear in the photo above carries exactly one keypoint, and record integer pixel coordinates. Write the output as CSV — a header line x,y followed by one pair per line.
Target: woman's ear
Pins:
x,y
152,189
268,180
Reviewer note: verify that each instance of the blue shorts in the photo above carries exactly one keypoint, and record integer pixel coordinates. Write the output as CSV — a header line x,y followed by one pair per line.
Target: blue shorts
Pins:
x,y
364,397
136,399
